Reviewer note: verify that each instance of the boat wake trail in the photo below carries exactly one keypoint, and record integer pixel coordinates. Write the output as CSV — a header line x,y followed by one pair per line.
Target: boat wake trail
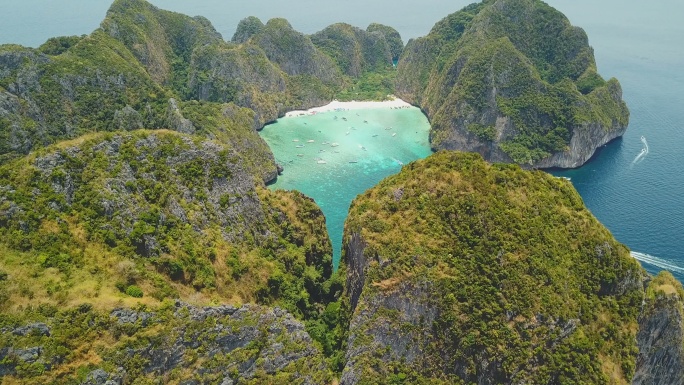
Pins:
x,y
655,261
643,153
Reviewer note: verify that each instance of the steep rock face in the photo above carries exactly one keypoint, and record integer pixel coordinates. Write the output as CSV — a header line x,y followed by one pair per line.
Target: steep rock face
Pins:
x,y
242,74
464,272
661,334
187,55
179,342
294,52
396,324
396,45
515,82
247,28
45,98
159,39
356,51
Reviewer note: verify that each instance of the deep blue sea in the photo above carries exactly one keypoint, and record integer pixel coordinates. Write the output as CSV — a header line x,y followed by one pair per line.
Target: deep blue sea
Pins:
x,y
636,193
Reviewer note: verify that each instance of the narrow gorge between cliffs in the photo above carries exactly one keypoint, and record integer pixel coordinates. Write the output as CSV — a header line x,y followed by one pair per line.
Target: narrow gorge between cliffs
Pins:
x,y
333,156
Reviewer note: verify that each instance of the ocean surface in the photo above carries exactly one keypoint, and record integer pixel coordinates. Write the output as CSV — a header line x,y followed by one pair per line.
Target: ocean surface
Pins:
x,y
636,193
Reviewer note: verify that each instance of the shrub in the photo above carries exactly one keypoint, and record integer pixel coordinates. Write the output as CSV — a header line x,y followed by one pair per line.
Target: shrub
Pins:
x,y
134,291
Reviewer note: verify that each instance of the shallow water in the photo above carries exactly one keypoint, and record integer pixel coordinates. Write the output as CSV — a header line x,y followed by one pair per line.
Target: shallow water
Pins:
x,y
346,157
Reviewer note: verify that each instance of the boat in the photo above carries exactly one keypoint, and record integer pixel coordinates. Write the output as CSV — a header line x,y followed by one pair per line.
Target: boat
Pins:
x,y
394,134
353,161
300,154
295,140
334,144
310,141
299,146
321,161
347,133
375,135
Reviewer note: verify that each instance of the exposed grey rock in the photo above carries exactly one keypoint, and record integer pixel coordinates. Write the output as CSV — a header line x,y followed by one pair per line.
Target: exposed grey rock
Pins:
x,y
247,28
128,316
120,199
413,305
356,265
586,140
33,328
96,377
10,357
176,120
439,89
127,119
299,56
29,355
660,341
100,377
225,330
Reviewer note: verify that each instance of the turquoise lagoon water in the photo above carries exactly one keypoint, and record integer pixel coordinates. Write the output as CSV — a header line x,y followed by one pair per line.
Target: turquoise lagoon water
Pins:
x,y
334,156
639,42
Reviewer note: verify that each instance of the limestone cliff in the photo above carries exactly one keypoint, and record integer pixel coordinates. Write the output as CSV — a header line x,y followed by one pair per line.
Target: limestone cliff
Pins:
x,y
179,343
463,272
514,81
355,50
661,334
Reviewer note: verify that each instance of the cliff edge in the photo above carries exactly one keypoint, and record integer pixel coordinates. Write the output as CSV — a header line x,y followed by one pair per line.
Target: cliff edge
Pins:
x,y
661,334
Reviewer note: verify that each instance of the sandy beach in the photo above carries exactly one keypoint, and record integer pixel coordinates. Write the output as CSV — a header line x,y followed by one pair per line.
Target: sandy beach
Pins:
x,y
336,105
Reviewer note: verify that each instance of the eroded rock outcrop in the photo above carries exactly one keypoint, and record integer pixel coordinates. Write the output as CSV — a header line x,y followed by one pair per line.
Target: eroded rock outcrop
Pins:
x,y
180,342
661,334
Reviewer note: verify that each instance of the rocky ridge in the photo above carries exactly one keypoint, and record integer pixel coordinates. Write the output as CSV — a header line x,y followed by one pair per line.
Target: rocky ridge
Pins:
x,y
183,343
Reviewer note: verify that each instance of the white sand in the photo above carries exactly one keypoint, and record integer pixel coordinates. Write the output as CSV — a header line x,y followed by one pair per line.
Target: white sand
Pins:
x,y
353,105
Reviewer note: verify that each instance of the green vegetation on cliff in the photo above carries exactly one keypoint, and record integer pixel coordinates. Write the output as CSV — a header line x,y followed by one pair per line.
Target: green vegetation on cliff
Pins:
x,y
176,342
519,67
168,213
365,57
487,271
120,219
